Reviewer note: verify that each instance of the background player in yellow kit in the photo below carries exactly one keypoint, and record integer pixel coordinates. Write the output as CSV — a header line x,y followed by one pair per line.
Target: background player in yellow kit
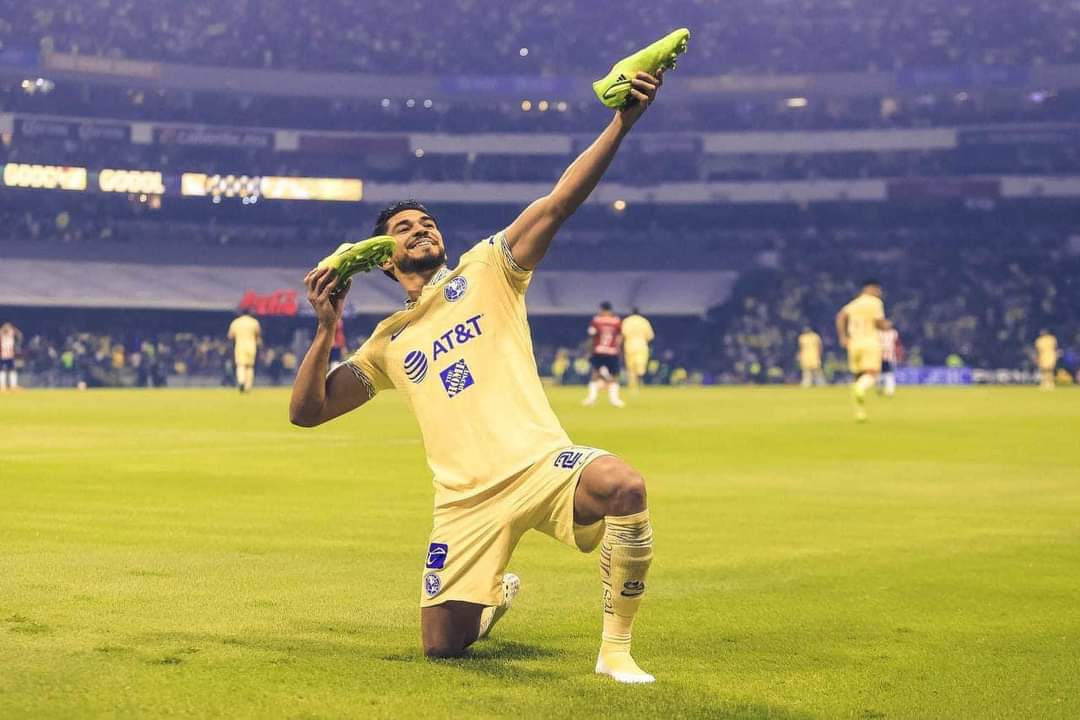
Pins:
x,y
246,333
637,333
857,326
461,354
1046,355
810,358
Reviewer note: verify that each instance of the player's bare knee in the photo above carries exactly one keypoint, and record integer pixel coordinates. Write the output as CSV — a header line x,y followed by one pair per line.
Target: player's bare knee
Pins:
x,y
629,492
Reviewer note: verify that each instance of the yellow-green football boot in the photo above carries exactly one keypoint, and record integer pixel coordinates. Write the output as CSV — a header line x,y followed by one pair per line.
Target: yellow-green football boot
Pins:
x,y
363,256
614,88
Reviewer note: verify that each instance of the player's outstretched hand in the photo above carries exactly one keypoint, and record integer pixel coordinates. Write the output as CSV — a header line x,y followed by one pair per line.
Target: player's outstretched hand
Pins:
x,y
326,294
643,90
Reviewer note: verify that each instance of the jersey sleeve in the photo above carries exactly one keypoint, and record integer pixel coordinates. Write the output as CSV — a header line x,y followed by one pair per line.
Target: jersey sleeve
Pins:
x,y
495,252
366,365
879,309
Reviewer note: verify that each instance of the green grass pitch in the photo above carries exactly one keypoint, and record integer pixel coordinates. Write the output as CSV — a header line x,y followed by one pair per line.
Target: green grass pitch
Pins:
x,y
189,553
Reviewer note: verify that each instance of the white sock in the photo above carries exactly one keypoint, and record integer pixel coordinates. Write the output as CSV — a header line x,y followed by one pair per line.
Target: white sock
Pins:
x,y
890,384
3,379
864,383
14,378
613,393
594,387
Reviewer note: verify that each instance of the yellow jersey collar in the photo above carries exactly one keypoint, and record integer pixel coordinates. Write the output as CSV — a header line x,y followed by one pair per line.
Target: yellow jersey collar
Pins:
x,y
435,279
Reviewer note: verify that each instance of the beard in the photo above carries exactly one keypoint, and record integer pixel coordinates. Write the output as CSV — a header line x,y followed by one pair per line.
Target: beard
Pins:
x,y
423,264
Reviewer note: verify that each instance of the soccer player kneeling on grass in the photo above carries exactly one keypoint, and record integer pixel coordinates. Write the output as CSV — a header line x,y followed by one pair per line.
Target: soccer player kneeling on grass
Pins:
x,y
461,353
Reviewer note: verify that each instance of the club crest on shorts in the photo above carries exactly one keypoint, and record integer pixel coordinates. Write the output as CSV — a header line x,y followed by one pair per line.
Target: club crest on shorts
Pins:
x,y
456,378
436,556
455,289
416,366
432,584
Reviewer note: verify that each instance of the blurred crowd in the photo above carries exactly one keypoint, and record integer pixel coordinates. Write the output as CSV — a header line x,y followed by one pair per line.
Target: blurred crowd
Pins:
x,y
977,297
144,359
552,36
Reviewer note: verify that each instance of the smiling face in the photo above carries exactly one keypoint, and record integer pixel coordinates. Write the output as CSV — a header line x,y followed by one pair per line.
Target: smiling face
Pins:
x,y
419,243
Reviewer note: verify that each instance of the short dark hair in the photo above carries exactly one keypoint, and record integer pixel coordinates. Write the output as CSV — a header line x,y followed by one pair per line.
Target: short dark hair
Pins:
x,y
634,311
605,305
871,281
382,223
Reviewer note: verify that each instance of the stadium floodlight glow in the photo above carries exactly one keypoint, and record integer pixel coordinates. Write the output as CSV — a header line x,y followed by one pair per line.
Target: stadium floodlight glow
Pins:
x,y
271,187
428,103
144,182
618,205
419,152
543,106
307,188
524,52
411,102
561,106
526,105
45,177
385,102
797,102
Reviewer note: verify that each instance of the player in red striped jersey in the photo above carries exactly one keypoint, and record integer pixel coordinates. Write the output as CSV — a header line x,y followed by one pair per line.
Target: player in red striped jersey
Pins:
x,y
892,352
605,333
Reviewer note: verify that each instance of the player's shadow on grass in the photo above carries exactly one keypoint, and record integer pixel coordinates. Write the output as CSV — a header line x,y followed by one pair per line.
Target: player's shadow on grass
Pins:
x,y
489,657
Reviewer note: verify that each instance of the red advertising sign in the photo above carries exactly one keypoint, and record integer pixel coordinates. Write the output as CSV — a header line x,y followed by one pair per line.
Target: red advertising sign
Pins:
x,y
279,302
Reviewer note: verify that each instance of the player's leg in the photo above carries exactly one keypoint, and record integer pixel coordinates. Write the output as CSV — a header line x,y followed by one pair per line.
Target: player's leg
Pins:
x,y
249,381
610,371
631,374
241,374
464,575
807,377
888,379
13,378
448,629
595,381
612,491
3,375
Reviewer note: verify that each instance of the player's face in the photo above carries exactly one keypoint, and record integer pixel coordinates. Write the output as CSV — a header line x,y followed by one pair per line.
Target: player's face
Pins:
x,y
419,242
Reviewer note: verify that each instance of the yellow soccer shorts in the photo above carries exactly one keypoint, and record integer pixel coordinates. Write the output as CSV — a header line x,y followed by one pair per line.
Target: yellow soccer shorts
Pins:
x,y
472,539
637,362
244,358
864,357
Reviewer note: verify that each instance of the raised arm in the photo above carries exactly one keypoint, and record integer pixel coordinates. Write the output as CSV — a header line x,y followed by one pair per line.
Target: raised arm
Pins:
x,y
317,397
531,233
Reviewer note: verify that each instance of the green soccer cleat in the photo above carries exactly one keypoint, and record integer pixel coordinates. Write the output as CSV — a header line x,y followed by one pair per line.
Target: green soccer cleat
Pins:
x,y
363,256
614,88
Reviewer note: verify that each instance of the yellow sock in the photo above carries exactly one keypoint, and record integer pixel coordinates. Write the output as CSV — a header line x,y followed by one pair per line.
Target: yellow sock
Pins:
x,y
625,556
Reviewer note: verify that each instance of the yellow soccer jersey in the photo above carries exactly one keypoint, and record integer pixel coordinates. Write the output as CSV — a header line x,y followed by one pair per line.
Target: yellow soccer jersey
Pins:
x,y
1047,348
462,355
245,331
810,351
863,313
637,334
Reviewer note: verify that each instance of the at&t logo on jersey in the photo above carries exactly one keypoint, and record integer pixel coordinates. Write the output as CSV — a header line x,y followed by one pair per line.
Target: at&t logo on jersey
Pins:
x,y
455,336
456,378
416,366
455,289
